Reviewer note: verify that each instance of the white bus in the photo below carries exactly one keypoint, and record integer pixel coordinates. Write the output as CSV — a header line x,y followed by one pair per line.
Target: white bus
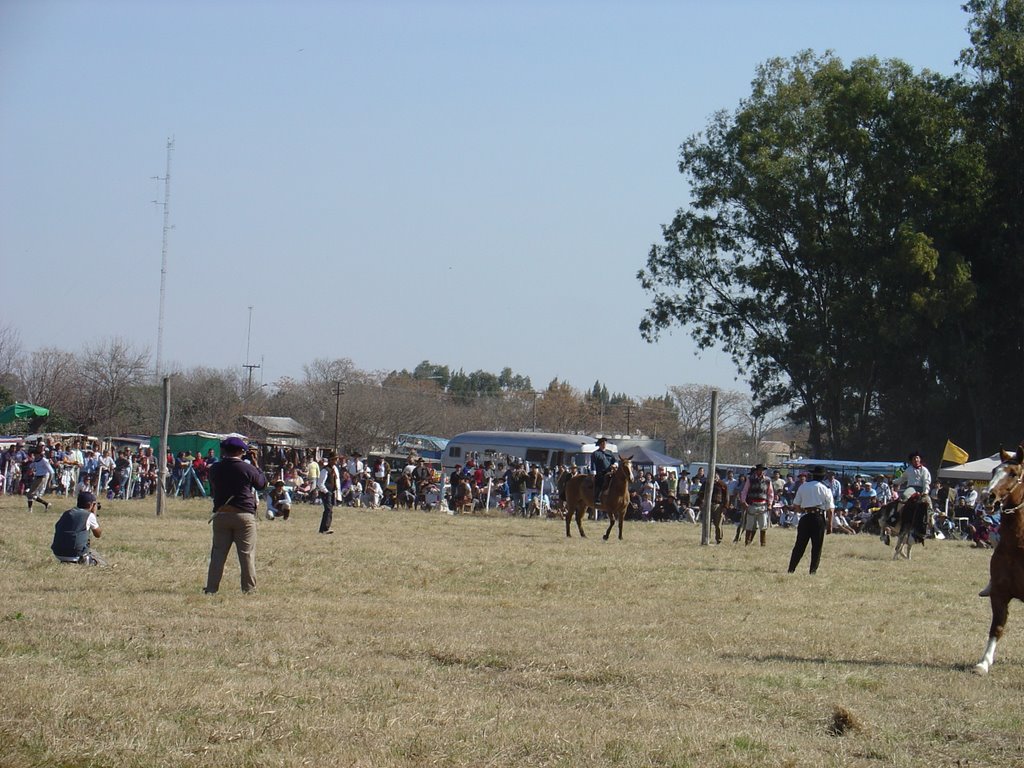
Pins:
x,y
545,449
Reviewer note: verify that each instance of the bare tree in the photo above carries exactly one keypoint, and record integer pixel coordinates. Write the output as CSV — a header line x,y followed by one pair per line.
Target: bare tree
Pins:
x,y
107,371
10,350
560,408
208,399
49,377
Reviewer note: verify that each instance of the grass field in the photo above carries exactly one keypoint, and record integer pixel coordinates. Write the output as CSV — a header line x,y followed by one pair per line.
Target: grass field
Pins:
x,y
412,639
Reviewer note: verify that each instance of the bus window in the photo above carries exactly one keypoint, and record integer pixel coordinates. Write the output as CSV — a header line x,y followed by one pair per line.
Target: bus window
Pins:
x,y
537,456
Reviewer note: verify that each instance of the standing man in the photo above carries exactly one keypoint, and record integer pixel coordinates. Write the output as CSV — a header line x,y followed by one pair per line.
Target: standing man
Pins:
x,y
814,500
719,503
328,483
601,461
71,532
233,483
40,471
756,499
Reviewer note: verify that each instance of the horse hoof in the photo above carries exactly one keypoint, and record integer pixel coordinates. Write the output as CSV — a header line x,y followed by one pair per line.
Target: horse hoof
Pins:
x,y
980,669
605,537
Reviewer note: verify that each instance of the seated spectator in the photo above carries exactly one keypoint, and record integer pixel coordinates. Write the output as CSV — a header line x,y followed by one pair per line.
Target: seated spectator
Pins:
x,y
373,493
279,502
867,496
646,507
405,496
840,523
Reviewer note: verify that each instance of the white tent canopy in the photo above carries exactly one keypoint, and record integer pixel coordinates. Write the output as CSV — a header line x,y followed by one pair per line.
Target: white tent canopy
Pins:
x,y
979,469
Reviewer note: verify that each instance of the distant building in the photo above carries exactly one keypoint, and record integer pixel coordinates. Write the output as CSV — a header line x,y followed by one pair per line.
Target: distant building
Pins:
x,y
274,430
774,452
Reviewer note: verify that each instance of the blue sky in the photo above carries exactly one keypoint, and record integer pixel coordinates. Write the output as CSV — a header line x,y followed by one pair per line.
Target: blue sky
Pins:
x,y
473,183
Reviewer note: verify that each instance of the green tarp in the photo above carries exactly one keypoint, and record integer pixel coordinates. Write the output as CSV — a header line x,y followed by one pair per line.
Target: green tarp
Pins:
x,y
22,411
189,443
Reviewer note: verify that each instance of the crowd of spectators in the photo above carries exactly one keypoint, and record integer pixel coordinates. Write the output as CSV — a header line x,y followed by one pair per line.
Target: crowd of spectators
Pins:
x,y
506,484
76,466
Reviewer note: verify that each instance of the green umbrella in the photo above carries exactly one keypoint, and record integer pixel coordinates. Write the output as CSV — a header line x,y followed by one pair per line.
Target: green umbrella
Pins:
x,y
22,411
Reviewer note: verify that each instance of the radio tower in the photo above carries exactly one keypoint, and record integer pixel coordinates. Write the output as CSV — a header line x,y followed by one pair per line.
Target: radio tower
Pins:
x,y
166,178
248,365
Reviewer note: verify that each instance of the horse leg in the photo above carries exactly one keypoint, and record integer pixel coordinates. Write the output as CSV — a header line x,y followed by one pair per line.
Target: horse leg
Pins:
x,y
621,516
579,522
570,511
611,524
1000,611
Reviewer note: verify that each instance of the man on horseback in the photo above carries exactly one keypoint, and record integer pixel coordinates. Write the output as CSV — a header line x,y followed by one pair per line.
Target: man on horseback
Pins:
x,y
601,461
916,479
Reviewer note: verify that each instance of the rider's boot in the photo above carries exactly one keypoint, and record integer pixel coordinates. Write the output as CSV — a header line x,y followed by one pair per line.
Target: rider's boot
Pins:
x,y
987,590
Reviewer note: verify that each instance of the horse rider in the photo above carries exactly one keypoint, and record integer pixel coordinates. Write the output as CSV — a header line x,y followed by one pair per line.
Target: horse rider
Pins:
x,y
756,498
601,461
916,479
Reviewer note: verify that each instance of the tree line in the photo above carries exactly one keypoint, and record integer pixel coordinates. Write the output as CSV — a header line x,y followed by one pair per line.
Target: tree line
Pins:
x,y
108,389
855,241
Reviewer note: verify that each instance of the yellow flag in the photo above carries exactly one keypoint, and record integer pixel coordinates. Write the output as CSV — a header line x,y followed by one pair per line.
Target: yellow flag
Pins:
x,y
954,453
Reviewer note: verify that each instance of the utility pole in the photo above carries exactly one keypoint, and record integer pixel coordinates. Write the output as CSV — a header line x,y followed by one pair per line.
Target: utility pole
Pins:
x,y
709,480
248,365
166,178
338,391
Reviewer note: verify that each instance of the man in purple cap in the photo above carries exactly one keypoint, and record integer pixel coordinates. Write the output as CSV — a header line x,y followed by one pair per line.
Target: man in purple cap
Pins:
x,y
233,483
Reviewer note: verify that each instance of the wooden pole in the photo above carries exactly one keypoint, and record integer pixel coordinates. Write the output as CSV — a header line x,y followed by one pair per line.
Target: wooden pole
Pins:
x,y
709,481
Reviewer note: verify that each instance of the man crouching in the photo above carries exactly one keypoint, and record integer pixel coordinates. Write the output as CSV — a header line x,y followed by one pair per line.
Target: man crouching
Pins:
x,y
71,533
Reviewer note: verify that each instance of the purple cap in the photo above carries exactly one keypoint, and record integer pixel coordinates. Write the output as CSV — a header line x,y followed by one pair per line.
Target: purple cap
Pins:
x,y
233,442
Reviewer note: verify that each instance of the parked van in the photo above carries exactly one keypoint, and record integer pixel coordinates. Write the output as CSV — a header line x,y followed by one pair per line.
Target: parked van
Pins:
x,y
545,449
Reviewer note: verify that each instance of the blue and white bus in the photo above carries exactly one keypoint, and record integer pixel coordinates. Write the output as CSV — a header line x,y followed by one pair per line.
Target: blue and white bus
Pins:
x,y
545,449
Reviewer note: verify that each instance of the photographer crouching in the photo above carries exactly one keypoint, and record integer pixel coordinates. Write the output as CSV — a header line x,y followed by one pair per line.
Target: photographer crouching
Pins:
x,y
71,532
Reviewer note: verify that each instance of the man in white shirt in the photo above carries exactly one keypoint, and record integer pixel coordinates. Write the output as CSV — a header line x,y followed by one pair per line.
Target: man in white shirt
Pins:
x,y
816,506
354,465
41,471
916,479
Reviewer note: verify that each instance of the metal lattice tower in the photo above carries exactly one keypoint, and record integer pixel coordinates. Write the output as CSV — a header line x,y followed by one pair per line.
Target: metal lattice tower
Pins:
x,y
166,178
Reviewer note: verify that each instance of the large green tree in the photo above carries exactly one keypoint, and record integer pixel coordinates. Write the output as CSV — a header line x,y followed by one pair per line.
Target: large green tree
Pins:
x,y
992,343
815,248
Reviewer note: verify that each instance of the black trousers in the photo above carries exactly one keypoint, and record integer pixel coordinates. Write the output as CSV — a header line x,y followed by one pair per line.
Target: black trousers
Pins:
x,y
328,516
810,528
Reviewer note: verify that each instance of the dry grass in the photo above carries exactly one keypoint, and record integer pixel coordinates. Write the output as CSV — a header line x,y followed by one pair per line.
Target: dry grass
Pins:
x,y
412,639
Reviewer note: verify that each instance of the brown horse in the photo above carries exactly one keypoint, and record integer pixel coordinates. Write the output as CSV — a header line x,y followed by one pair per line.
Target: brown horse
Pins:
x,y
579,497
1006,494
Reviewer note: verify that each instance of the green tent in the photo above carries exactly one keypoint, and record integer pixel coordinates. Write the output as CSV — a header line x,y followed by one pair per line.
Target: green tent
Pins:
x,y
22,411
196,443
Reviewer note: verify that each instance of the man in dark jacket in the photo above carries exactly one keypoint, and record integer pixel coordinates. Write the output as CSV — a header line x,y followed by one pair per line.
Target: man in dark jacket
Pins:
x,y
71,533
233,482
601,461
